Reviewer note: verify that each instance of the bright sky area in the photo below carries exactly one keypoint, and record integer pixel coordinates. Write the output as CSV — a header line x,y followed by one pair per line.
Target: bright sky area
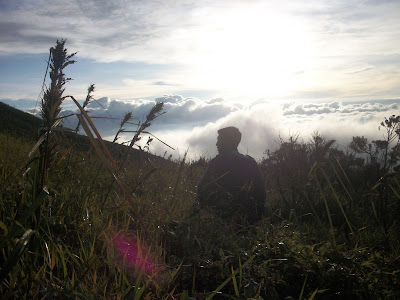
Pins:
x,y
271,67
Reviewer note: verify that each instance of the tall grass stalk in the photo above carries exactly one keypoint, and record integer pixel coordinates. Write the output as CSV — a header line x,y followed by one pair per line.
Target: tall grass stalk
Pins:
x,y
89,97
338,201
153,114
50,107
322,193
181,165
302,288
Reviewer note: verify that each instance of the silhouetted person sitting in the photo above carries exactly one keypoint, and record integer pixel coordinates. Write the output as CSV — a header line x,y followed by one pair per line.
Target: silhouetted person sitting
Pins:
x,y
232,183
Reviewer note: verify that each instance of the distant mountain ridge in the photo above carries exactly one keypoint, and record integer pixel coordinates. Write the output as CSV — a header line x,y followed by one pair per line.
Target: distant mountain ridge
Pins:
x,y
22,104
15,122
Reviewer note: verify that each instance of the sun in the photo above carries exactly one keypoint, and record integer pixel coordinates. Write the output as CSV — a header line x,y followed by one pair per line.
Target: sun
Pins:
x,y
251,50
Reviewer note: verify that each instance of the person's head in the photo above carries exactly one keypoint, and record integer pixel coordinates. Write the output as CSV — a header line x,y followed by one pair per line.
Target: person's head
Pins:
x,y
228,139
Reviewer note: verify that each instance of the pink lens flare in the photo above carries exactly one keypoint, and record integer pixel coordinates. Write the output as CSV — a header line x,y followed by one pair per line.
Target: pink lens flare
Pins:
x,y
134,257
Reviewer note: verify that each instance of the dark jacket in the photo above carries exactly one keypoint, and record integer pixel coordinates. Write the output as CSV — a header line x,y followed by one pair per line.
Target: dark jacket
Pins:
x,y
233,186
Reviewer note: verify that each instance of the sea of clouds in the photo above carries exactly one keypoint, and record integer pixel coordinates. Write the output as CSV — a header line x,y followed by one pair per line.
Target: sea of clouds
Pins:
x,y
190,123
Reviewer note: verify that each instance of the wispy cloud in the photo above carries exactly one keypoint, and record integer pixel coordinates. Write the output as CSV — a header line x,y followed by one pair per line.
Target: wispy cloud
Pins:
x,y
248,49
160,31
103,30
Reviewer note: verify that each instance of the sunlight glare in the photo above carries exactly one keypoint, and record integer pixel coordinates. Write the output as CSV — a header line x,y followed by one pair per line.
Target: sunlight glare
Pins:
x,y
252,51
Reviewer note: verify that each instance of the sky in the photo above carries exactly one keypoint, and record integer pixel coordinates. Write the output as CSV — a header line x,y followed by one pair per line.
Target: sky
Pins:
x,y
271,68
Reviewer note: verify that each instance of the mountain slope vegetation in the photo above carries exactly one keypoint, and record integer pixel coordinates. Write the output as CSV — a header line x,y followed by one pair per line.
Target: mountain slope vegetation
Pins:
x,y
81,218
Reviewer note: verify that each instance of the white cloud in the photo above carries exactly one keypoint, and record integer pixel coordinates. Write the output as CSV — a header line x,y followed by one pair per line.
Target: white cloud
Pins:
x,y
327,108
191,123
179,110
259,126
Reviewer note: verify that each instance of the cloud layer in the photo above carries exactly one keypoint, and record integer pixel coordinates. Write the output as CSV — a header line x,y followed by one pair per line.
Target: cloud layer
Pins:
x,y
190,123
335,107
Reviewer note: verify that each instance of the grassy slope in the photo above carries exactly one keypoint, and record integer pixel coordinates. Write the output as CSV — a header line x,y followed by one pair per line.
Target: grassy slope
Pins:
x,y
75,251
18,123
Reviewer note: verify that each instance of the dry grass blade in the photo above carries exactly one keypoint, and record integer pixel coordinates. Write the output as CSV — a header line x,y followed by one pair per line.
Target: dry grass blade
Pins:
x,y
96,147
38,143
95,131
107,158
222,285
313,294
103,158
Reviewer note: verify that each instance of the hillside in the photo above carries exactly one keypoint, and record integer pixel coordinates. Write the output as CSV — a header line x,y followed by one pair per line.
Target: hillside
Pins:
x,y
329,230
16,122
19,124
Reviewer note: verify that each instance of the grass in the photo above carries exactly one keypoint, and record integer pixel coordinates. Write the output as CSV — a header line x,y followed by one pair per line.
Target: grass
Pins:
x,y
73,252
117,223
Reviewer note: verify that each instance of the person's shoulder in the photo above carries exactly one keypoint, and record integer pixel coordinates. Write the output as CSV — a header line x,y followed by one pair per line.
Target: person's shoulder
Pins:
x,y
246,157
246,161
222,160
215,161
222,156
232,156
251,159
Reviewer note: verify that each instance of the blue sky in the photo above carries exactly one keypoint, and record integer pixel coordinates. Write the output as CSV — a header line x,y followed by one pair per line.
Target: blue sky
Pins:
x,y
249,54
